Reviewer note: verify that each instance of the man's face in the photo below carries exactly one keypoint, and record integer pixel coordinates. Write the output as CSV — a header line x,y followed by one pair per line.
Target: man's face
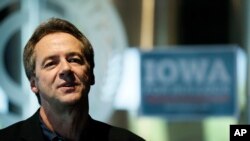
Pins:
x,y
61,70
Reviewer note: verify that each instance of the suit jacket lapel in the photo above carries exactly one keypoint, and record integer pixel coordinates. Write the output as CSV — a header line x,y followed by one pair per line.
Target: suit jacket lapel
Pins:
x,y
31,129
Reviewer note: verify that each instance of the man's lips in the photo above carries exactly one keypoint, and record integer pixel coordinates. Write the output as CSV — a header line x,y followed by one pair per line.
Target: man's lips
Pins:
x,y
68,84
68,87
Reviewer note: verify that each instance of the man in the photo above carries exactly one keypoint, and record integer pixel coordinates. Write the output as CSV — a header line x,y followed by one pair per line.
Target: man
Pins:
x,y
59,62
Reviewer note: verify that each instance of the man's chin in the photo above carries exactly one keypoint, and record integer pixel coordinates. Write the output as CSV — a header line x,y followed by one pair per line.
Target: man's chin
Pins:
x,y
72,99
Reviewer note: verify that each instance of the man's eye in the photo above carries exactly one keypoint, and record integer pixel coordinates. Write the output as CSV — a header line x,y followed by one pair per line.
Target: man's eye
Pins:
x,y
75,60
49,64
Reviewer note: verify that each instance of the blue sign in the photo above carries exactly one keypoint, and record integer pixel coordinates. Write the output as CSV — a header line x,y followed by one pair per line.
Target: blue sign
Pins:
x,y
189,82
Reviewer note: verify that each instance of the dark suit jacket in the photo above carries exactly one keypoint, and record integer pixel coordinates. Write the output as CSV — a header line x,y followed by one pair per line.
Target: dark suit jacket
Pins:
x,y
30,130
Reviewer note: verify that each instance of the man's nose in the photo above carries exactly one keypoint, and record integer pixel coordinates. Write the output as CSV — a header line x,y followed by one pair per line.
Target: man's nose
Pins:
x,y
65,71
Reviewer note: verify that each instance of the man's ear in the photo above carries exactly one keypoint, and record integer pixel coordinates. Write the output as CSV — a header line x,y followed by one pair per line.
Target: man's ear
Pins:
x,y
92,80
33,85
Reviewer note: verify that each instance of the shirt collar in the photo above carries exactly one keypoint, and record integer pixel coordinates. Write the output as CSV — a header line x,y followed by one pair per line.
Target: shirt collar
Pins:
x,y
49,135
53,136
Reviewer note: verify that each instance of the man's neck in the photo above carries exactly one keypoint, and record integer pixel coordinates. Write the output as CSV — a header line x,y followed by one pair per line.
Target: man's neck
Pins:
x,y
69,123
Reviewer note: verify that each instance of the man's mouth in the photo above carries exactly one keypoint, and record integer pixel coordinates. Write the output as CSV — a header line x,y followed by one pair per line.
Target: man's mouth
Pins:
x,y
68,84
68,87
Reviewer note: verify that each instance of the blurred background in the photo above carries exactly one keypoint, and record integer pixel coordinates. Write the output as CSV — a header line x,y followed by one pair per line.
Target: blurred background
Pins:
x,y
121,31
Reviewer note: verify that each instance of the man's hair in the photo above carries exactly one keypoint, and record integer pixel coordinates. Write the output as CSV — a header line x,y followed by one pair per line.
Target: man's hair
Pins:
x,y
54,25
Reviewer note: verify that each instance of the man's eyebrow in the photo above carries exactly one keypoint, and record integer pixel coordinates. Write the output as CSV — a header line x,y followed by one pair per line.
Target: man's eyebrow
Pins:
x,y
75,54
53,57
